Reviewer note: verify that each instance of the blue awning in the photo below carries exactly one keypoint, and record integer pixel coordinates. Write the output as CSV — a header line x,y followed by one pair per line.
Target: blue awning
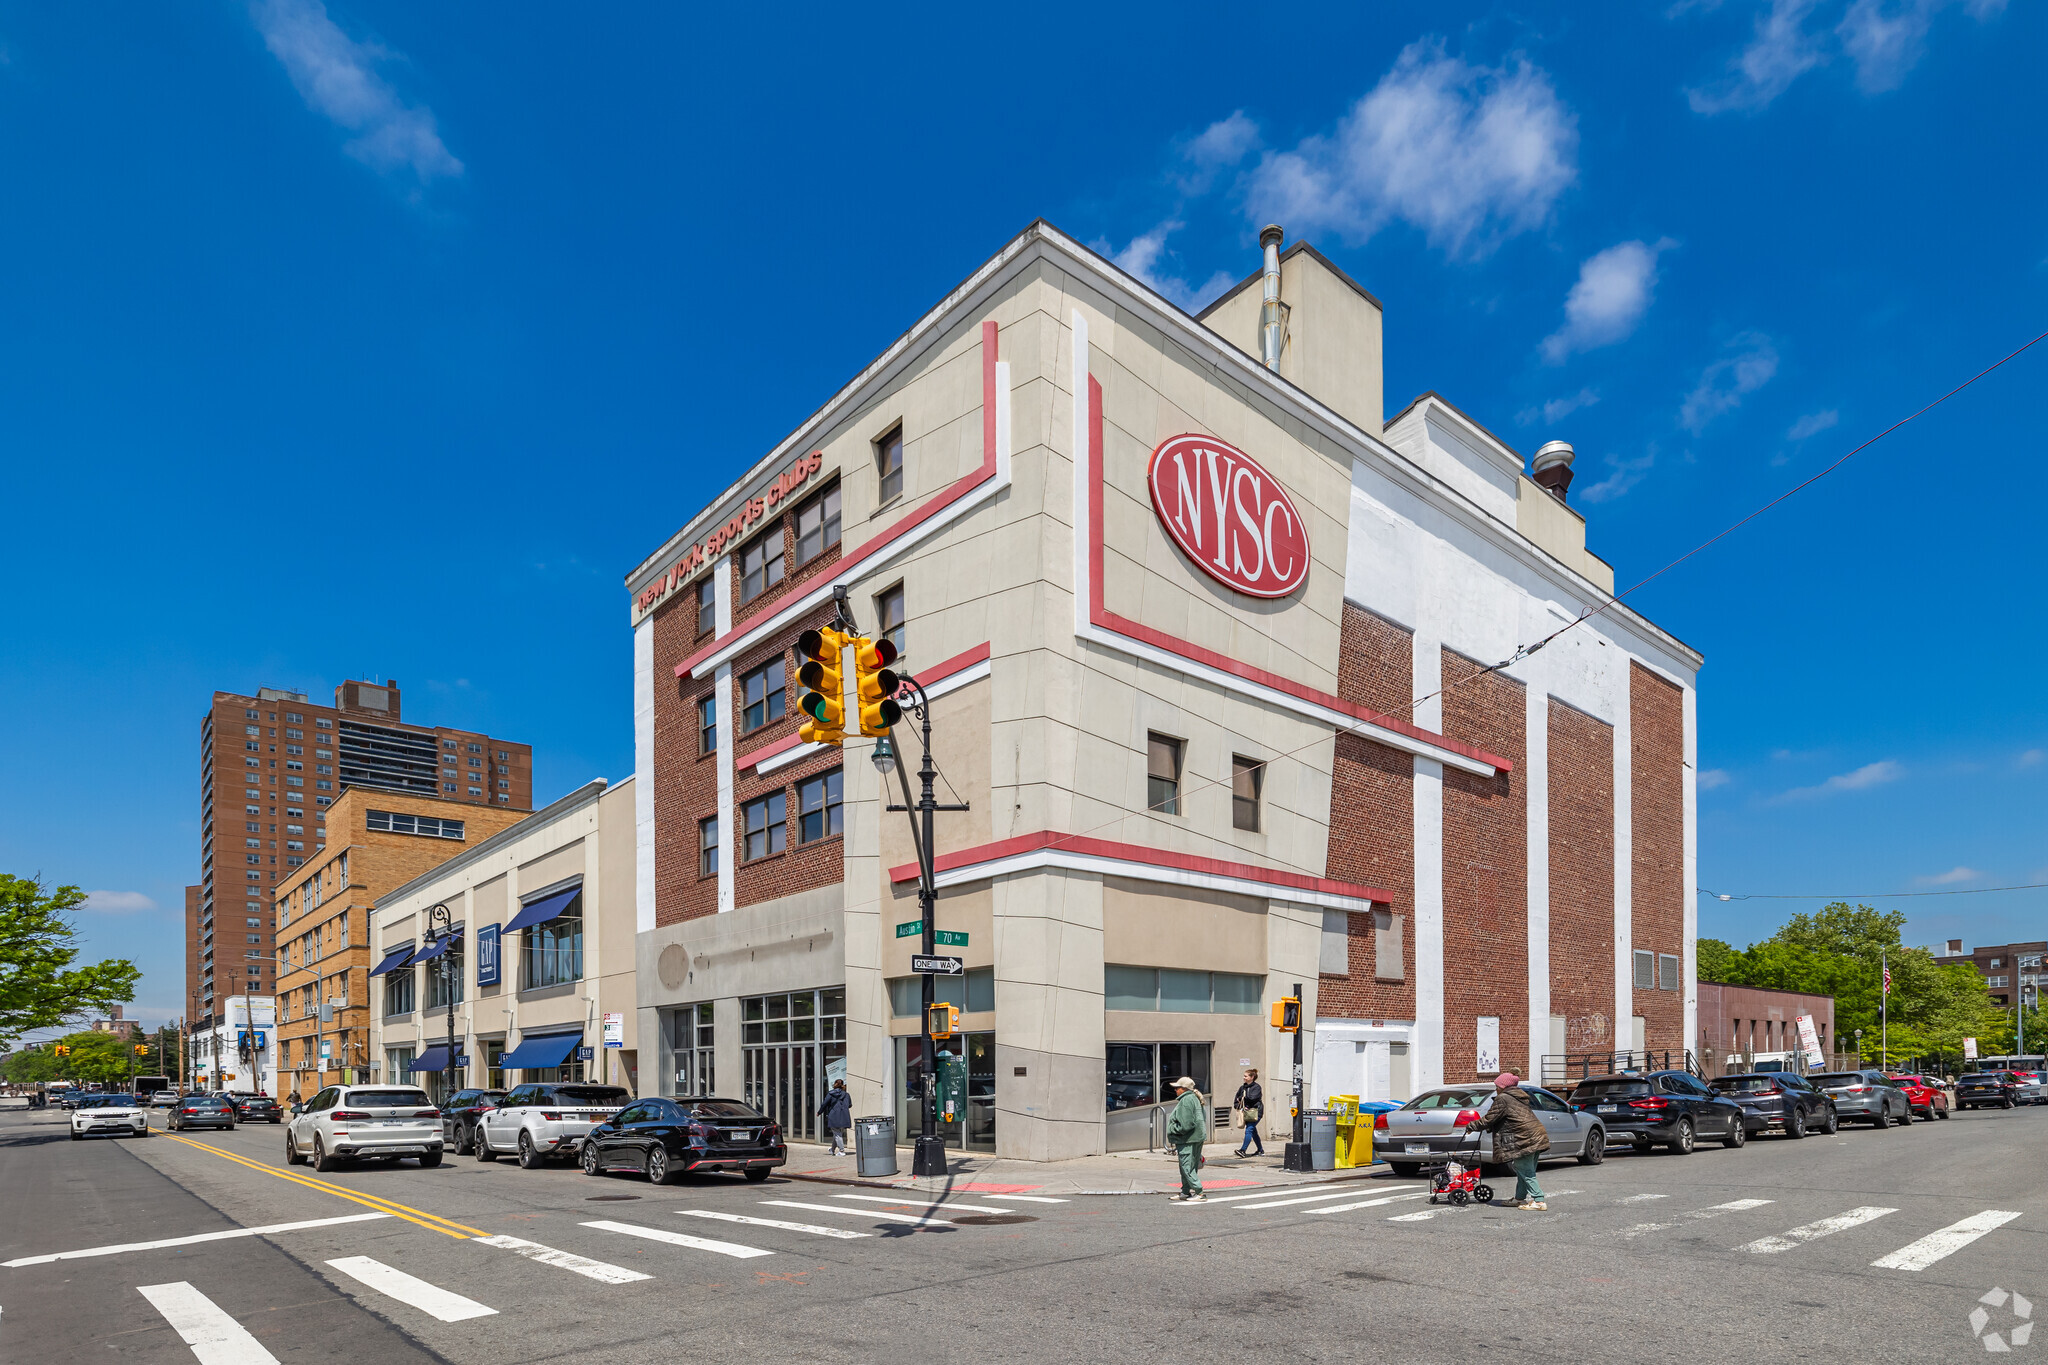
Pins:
x,y
393,960
433,1059
435,949
548,1049
543,910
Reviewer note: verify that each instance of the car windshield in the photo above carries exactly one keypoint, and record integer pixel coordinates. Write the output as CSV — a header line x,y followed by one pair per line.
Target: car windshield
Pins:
x,y
386,1098
205,1102
1607,1090
724,1109
590,1094
1450,1099
1744,1085
1980,1076
106,1101
1833,1079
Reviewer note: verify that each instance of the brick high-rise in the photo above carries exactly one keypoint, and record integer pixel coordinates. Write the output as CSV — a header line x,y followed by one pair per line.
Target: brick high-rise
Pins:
x,y
269,766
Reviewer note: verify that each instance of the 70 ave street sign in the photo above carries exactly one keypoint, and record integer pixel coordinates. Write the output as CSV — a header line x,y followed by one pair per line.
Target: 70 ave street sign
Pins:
x,y
950,938
936,966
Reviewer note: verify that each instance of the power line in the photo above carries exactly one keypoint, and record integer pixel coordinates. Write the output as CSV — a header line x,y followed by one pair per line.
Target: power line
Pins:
x,y
1866,895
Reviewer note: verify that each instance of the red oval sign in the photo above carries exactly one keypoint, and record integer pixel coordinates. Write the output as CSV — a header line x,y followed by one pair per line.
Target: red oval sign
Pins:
x,y
1228,515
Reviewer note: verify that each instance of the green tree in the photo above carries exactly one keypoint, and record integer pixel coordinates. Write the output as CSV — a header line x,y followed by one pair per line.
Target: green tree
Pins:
x,y
39,988
33,1068
1718,961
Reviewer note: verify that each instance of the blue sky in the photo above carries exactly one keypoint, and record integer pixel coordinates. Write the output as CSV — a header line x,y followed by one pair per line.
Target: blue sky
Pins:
x,y
383,339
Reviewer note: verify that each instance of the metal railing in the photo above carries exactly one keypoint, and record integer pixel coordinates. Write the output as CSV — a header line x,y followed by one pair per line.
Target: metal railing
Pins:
x,y
1562,1069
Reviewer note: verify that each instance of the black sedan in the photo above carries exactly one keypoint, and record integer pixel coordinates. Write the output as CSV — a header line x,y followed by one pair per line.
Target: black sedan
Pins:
x,y
250,1107
663,1139
201,1111
460,1116
1778,1101
1674,1109
1979,1089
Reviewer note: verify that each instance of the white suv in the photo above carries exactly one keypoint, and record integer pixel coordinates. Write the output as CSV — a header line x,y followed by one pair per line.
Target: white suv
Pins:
x,y
384,1122
543,1120
121,1115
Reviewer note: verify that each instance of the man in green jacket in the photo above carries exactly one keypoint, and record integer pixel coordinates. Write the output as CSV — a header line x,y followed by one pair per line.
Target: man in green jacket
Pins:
x,y
1185,1129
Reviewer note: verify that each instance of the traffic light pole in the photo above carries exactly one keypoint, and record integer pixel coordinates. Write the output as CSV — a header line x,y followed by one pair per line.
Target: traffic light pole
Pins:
x,y
1298,1157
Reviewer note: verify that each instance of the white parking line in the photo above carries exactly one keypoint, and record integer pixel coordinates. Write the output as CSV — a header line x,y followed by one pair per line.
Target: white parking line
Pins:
x,y
1823,1227
1302,1199
189,1241
582,1265
393,1283
864,1213
773,1223
1953,1238
1032,1198
680,1239
928,1203
1370,1203
215,1338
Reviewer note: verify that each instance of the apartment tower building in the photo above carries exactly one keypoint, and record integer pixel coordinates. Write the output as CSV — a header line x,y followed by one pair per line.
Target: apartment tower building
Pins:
x,y
270,765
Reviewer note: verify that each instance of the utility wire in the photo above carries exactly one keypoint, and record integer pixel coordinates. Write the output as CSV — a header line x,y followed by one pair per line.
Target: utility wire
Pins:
x,y
1867,895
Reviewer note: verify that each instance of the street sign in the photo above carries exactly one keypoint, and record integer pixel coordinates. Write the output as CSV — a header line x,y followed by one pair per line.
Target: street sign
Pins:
x,y
584,1054
910,930
615,1030
937,966
948,938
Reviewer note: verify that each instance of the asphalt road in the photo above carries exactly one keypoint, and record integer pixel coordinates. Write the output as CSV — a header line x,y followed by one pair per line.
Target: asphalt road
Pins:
x,y
1780,1251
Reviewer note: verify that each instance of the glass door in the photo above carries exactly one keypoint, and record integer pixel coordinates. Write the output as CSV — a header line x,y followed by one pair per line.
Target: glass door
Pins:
x,y
973,1128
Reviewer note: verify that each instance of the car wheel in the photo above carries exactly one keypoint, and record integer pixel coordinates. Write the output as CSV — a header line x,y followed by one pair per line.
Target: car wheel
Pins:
x,y
1406,1170
1682,1139
1833,1123
1882,1121
1595,1150
658,1172
231,1128
483,1145
529,1158
1906,1119
589,1160
1795,1127
1738,1133
1941,1113
75,1137
429,1161
322,1161
757,1174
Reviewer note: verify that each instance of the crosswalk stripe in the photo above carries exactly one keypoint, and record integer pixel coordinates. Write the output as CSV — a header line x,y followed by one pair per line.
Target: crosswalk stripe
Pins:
x,y
1820,1227
1032,1198
774,1223
1641,1198
928,1203
864,1213
1711,1211
1368,1203
190,1241
582,1265
680,1239
1414,1217
1953,1238
393,1283
1271,1190
215,1338
1303,1199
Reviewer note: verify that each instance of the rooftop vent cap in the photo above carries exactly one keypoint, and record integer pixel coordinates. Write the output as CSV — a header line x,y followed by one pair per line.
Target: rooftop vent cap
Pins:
x,y
1554,468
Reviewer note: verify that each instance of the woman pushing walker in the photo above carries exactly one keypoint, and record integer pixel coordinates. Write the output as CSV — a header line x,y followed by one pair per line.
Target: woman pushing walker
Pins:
x,y
1518,1136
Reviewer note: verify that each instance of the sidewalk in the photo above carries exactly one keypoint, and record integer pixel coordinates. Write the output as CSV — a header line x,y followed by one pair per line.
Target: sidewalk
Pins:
x,y
1118,1173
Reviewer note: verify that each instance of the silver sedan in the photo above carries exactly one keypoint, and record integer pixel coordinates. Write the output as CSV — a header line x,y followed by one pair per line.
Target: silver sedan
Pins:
x,y
1434,1126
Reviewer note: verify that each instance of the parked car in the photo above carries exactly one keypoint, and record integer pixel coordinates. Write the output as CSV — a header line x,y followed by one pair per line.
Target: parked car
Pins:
x,y
121,1115
1865,1095
460,1116
544,1120
164,1099
2033,1087
663,1139
1431,1128
1924,1095
381,1122
1670,1108
201,1111
1778,1101
1981,1088
252,1107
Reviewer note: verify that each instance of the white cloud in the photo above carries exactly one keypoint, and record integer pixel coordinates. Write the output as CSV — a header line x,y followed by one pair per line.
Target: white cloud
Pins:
x,y
1724,383
1711,778
1468,154
1611,296
117,902
1812,424
1950,877
2032,758
336,78
1142,258
1217,148
1627,474
1557,409
1885,41
1780,51
1862,779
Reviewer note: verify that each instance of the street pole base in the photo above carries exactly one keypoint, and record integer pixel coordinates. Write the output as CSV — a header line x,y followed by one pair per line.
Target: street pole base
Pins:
x,y
929,1158
1298,1157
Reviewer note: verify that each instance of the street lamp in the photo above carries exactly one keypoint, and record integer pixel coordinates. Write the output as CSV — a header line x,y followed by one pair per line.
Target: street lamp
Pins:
x,y
446,968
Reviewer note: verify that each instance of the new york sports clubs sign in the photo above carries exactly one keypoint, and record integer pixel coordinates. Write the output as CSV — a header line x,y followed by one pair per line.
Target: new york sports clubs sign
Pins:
x,y
1228,515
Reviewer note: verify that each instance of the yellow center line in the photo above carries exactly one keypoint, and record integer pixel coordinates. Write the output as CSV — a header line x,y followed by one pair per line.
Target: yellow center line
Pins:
x,y
446,1226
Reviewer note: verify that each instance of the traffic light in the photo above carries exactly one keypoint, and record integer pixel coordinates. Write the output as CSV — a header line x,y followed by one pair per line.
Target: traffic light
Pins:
x,y
142,1049
823,688
944,1020
1287,1015
876,685
61,1050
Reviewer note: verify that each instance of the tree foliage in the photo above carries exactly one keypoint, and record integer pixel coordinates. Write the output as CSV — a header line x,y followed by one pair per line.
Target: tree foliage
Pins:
x,y
95,1058
39,988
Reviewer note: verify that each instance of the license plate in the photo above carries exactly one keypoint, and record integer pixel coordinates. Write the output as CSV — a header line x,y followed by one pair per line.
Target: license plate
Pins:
x,y
1418,1147
1610,1109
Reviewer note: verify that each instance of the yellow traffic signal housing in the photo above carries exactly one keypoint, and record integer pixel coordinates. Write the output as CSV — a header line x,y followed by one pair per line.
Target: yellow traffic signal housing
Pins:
x,y
1287,1015
877,685
141,1050
944,1021
824,688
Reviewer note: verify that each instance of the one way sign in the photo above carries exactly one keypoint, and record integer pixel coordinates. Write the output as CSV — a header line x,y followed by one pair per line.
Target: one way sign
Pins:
x,y
936,966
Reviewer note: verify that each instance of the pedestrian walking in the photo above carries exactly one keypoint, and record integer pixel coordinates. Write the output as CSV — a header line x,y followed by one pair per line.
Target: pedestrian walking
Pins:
x,y
1250,1103
837,1111
1185,1129
1518,1135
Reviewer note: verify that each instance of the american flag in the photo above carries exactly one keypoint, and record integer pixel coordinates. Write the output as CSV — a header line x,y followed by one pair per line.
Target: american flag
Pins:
x,y
1887,979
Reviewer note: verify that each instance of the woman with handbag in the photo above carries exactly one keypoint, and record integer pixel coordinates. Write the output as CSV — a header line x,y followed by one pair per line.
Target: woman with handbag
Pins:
x,y
1250,1101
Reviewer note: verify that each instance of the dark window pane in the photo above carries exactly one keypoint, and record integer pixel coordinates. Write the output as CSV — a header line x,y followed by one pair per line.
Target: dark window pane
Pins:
x,y
1162,774
889,464
707,724
889,615
1130,988
707,606
1247,779
817,526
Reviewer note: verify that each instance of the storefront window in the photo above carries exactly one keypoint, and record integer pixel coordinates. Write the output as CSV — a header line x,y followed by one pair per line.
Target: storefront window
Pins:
x,y
1139,1074
1180,992
439,978
691,1038
553,951
398,992
494,1066
971,1059
792,1046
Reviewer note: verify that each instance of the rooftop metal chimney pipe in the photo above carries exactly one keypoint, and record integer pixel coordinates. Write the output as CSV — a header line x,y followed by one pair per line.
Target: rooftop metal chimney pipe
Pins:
x,y
1554,468
1272,312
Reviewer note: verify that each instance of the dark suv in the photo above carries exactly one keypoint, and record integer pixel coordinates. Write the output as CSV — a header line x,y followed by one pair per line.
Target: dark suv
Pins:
x,y
1672,1108
1778,1101
250,1107
460,1116
2000,1088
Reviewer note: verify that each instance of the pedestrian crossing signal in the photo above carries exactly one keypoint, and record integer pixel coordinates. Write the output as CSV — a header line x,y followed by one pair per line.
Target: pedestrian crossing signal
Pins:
x,y
1287,1015
824,690
877,685
943,1020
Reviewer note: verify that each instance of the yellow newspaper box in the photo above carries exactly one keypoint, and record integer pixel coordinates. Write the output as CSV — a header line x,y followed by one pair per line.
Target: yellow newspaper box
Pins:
x,y
1354,1133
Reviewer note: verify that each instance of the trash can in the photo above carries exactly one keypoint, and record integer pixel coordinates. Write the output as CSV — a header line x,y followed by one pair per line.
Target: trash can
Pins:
x,y
1354,1139
874,1145
1322,1139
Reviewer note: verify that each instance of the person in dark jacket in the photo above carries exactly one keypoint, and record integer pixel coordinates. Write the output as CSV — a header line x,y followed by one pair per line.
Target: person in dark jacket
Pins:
x,y
837,1111
1250,1103
1518,1136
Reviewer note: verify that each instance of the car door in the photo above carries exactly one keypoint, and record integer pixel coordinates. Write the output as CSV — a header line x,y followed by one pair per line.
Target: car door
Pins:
x,y
306,1124
619,1139
501,1125
1566,1125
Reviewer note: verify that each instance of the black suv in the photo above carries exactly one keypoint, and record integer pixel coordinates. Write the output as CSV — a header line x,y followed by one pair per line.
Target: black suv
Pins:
x,y
2000,1088
1780,1101
460,1116
250,1107
1672,1108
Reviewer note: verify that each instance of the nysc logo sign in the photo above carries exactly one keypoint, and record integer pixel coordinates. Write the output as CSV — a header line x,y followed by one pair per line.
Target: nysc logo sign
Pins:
x,y
2002,1320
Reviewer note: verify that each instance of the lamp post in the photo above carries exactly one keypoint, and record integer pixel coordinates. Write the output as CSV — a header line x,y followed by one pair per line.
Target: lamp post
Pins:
x,y
445,967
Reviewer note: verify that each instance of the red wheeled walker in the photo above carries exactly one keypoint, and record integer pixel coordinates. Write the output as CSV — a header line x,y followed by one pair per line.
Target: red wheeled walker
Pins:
x,y
1459,1184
